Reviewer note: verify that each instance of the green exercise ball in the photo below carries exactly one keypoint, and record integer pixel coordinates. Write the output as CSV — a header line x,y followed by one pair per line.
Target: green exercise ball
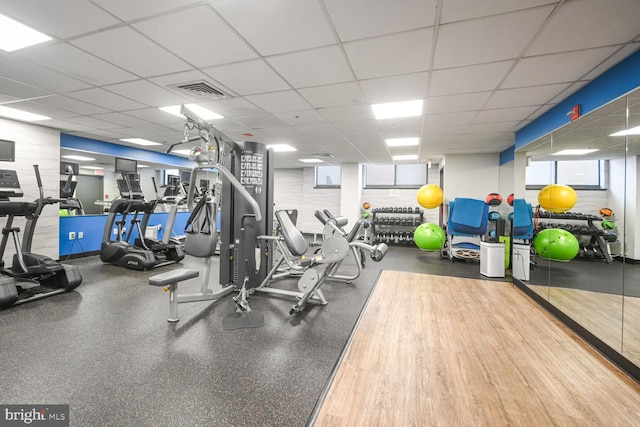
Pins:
x,y
556,244
429,237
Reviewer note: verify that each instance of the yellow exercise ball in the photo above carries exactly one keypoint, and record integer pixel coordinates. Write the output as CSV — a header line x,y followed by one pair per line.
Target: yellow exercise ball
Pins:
x,y
430,196
557,198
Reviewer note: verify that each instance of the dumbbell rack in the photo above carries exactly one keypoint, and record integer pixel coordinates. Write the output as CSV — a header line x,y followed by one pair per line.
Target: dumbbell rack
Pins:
x,y
395,225
597,244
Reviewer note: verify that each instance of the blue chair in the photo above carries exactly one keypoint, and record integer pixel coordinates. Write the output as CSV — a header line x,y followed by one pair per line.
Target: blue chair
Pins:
x,y
467,223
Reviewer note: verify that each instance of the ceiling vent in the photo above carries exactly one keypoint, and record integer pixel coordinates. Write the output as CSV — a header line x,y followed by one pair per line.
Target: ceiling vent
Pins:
x,y
201,90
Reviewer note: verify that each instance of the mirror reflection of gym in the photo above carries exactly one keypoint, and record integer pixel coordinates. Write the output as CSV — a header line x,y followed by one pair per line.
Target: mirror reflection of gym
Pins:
x,y
590,287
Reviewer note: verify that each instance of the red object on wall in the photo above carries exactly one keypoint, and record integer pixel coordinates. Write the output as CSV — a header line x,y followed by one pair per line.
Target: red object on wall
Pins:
x,y
575,112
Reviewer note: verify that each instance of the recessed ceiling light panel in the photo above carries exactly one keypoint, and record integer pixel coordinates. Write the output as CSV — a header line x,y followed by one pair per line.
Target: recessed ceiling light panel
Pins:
x,y
392,110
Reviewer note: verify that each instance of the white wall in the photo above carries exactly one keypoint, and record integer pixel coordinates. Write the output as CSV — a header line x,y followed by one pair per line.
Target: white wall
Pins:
x,y
294,189
473,176
36,145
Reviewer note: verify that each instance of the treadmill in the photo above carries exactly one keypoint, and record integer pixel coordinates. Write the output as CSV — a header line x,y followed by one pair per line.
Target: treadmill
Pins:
x,y
31,276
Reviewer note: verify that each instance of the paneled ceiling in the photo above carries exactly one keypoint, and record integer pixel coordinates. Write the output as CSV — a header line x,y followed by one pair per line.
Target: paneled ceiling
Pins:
x,y
304,72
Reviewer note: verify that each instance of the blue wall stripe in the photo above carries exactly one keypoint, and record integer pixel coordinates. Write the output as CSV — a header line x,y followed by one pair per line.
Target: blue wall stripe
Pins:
x,y
116,150
614,83
508,155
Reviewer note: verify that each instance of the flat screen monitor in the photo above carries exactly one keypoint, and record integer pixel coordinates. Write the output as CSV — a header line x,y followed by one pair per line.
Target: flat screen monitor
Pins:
x,y
64,168
126,165
185,175
7,151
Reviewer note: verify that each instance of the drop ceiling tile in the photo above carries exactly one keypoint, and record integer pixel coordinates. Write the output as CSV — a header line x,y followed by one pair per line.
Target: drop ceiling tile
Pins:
x,y
504,114
316,67
152,132
249,77
155,115
147,93
68,127
449,119
396,88
106,99
123,47
72,105
121,119
44,110
459,10
364,138
279,102
337,95
520,97
233,107
587,24
493,127
401,53
4,99
317,129
357,126
78,64
296,118
281,131
618,56
456,103
20,70
413,123
128,10
198,36
483,40
357,19
260,121
20,90
401,133
59,18
92,122
555,68
474,78
350,112
278,26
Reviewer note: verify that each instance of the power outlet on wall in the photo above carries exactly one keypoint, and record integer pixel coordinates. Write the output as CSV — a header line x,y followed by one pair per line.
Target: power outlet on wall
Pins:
x,y
72,235
80,234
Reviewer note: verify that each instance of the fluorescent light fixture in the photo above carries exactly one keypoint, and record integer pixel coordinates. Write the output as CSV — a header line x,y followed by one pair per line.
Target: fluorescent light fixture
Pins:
x,y
577,152
182,152
201,112
14,35
391,110
82,158
632,131
143,166
281,148
140,141
405,157
311,160
92,167
12,113
402,142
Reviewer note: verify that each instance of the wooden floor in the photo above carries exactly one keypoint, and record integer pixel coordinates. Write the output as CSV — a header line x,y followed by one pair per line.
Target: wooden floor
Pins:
x,y
446,351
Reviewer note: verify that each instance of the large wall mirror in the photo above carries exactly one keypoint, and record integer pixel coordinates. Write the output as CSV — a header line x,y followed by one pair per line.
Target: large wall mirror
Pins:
x,y
597,156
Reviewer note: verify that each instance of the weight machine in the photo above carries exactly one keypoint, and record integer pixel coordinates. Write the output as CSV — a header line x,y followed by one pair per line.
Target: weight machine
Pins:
x,y
244,194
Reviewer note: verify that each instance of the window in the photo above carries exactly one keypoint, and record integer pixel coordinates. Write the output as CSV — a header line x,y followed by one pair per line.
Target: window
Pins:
x,y
328,176
578,174
396,176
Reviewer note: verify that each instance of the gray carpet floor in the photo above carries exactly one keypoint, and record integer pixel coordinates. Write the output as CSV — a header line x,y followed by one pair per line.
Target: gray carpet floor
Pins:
x,y
107,350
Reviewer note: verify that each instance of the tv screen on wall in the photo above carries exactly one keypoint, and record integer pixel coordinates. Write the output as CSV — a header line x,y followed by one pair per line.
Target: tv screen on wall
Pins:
x,y
7,151
126,165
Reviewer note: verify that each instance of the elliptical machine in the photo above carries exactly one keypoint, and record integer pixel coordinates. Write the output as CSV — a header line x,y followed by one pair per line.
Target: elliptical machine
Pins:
x,y
31,276
145,253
